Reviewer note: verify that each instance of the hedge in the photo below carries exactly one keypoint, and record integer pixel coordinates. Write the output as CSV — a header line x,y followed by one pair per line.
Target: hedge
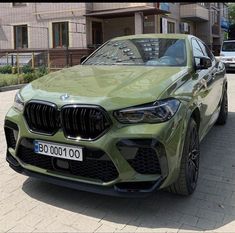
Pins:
x,y
27,75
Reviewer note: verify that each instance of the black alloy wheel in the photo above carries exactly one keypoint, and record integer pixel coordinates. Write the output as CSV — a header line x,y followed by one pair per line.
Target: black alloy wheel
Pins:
x,y
193,160
189,167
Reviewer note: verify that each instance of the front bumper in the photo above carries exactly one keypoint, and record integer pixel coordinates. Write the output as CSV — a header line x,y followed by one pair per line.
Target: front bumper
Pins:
x,y
229,64
110,191
129,180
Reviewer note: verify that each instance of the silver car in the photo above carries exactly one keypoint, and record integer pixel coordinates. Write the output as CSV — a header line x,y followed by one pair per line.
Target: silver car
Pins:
x,y
227,54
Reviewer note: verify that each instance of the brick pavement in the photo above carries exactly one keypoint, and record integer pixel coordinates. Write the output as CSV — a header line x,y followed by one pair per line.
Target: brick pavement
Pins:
x,y
29,205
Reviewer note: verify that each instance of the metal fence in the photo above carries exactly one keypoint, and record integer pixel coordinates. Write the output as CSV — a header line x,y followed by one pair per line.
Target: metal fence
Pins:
x,y
31,59
53,60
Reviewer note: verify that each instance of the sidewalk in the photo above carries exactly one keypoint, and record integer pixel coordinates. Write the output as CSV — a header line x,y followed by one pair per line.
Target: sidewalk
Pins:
x,y
28,205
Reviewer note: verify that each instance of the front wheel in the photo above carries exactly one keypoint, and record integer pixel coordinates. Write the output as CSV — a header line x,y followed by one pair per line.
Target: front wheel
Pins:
x,y
188,175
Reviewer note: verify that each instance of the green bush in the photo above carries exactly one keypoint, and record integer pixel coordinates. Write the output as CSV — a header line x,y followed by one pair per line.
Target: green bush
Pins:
x,y
8,80
6,69
42,70
3,82
29,77
26,69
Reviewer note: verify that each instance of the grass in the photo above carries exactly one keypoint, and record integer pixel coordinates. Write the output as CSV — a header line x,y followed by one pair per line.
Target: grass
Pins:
x,y
8,79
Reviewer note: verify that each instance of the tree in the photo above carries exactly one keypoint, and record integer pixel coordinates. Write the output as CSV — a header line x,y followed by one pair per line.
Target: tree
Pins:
x,y
231,13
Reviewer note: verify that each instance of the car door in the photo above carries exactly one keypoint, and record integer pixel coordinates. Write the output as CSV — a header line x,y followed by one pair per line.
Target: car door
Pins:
x,y
205,93
215,79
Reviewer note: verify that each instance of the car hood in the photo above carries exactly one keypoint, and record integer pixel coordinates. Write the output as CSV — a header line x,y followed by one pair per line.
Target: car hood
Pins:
x,y
111,87
228,54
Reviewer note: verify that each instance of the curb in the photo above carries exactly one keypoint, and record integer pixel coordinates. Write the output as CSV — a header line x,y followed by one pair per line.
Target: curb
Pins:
x,y
10,88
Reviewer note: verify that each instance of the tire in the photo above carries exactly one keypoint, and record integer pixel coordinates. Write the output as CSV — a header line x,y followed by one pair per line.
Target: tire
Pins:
x,y
223,114
189,168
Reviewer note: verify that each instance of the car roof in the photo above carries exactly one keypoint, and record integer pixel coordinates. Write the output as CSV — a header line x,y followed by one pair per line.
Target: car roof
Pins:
x,y
155,35
229,41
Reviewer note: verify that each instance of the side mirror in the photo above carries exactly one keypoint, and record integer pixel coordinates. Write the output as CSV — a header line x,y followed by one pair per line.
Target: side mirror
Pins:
x,y
83,58
205,63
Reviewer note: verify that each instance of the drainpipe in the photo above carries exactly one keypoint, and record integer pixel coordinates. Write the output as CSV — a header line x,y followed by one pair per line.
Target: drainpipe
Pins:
x,y
67,45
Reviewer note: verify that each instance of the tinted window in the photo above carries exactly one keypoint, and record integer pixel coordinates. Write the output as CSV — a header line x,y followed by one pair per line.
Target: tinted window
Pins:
x,y
202,47
206,50
197,51
228,46
141,51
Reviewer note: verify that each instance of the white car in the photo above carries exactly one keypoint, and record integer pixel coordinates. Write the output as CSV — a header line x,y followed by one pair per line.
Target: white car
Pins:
x,y
227,54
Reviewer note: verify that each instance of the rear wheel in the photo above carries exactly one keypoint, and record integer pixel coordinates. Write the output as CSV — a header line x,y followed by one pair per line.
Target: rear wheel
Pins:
x,y
223,114
188,176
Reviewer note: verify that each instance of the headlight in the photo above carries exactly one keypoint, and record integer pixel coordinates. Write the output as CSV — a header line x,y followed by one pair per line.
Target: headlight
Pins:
x,y
18,102
156,112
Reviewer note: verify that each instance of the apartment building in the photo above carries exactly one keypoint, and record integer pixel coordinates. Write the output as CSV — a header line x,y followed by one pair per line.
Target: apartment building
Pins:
x,y
76,29
38,27
208,21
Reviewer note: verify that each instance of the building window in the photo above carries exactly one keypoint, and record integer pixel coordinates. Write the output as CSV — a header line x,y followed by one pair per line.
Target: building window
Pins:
x,y
19,4
21,36
189,29
170,27
97,33
60,34
214,17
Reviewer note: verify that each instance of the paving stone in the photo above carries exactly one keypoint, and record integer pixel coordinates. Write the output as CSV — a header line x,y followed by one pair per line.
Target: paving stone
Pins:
x,y
188,228
30,205
189,220
210,215
206,224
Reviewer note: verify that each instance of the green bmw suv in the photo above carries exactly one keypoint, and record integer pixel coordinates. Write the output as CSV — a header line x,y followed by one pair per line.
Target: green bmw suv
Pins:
x,y
127,121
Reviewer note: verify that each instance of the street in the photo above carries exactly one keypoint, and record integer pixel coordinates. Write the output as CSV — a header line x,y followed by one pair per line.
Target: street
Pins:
x,y
30,205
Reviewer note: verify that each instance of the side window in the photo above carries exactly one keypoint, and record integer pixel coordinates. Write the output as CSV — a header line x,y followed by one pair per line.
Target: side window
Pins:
x,y
206,50
197,51
210,54
202,47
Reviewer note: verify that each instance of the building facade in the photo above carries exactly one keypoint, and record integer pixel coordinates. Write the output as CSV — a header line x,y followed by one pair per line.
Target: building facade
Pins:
x,y
208,21
76,29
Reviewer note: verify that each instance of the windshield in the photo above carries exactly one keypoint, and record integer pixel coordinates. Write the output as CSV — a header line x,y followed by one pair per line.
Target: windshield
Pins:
x,y
142,51
228,47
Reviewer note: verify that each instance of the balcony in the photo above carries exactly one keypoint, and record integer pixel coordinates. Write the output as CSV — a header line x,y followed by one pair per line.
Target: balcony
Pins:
x,y
114,10
194,12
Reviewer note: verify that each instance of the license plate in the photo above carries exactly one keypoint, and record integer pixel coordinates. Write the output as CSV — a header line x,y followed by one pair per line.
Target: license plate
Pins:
x,y
58,150
232,65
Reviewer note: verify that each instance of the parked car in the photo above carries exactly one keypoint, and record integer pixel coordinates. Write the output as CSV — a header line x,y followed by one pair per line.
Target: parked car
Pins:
x,y
127,121
227,54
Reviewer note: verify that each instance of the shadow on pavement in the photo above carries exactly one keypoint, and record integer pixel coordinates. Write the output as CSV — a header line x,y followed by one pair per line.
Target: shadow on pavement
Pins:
x,y
211,206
